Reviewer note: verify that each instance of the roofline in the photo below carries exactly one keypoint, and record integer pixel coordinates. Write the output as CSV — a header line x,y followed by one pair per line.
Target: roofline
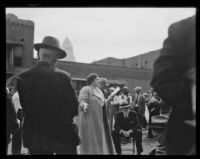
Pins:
x,y
13,43
138,69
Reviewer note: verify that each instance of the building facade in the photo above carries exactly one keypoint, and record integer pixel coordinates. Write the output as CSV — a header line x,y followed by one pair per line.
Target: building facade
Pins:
x,y
19,58
19,42
143,61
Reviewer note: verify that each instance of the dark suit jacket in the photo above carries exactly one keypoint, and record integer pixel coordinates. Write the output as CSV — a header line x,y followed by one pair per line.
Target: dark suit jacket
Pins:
x,y
141,103
177,56
130,123
49,103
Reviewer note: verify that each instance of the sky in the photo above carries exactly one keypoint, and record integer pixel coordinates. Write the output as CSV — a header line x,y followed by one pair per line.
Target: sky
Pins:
x,y
97,33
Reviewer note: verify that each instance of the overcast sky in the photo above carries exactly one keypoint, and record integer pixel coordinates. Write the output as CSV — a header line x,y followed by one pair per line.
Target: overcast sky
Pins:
x,y
96,33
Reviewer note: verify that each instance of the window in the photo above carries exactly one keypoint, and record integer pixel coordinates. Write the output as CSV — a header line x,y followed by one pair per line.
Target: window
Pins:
x,y
146,62
18,57
17,61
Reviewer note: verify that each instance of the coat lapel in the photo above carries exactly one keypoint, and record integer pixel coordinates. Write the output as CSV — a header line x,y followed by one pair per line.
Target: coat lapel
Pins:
x,y
97,92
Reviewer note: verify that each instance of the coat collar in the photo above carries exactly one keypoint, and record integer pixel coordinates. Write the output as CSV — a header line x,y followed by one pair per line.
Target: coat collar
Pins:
x,y
45,64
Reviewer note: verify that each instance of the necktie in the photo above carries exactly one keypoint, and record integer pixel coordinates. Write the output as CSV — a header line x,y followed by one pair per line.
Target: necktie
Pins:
x,y
126,115
137,99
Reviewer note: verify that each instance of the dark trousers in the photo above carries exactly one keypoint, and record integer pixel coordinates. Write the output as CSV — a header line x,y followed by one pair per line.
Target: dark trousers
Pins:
x,y
140,118
70,150
149,128
16,142
137,136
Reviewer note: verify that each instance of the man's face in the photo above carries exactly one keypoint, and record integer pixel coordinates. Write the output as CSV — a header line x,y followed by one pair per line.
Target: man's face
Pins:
x,y
138,91
48,55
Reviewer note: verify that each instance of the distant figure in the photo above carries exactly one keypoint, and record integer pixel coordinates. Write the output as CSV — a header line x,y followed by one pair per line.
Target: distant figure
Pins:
x,y
94,129
49,103
125,95
154,109
113,108
139,104
176,58
12,123
104,87
127,125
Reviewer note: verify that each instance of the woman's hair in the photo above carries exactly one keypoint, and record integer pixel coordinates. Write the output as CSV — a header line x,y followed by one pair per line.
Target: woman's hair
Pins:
x,y
91,77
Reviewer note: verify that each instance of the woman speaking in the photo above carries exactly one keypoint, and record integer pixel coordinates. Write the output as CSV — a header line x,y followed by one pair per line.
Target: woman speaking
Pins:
x,y
94,130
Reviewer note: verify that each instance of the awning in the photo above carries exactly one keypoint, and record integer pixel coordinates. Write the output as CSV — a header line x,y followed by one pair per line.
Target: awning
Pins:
x,y
13,43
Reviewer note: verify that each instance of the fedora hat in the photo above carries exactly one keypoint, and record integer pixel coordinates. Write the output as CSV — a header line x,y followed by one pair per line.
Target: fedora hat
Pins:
x,y
51,43
124,104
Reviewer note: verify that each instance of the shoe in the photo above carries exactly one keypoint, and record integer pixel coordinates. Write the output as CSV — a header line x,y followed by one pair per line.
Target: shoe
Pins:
x,y
138,153
153,152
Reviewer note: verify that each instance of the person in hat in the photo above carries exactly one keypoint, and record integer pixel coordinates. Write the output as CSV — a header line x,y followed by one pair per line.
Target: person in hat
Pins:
x,y
49,102
127,125
139,104
104,87
126,96
112,107
154,109
94,129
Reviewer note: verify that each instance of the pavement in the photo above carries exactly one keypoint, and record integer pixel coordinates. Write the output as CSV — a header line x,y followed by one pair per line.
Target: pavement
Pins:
x,y
148,145
127,149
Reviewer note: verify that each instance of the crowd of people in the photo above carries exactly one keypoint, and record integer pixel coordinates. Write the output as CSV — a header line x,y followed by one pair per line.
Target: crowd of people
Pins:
x,y
46,117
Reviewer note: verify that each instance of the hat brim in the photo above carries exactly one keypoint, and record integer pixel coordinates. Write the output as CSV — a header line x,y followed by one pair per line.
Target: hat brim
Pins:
x,y
122,107
62,53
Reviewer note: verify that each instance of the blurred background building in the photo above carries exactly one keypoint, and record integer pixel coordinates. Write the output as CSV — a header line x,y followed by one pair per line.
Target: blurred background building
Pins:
x,y
142,61
132,72
19,43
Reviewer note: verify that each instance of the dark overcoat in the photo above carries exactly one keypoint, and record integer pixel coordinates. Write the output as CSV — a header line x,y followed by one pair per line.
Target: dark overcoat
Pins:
x,y
177,56
49,103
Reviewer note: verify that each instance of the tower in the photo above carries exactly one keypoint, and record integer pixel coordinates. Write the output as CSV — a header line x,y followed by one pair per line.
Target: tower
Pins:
x,y
67,46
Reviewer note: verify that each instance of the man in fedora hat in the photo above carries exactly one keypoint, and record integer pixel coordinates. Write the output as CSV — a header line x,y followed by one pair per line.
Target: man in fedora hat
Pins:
x,y
104,86
127,125
139,104
49,102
